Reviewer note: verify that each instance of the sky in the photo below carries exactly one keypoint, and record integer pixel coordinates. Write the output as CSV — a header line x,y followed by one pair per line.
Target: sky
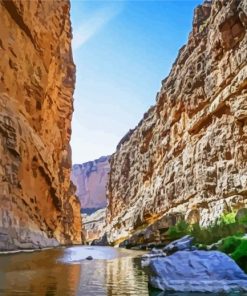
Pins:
x,y
122,50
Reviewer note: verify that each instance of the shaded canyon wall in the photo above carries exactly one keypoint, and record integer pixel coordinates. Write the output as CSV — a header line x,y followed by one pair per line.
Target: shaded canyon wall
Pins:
x,y
37,76
188,155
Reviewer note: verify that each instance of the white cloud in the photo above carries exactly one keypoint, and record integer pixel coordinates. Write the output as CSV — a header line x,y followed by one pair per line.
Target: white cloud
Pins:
x,y
93,24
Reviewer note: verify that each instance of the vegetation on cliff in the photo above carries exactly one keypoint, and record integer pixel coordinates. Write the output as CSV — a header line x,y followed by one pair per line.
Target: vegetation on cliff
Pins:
x,y
226,234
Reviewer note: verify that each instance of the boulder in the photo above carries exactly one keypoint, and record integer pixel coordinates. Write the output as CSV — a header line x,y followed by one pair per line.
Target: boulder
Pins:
x,y
182,244
197,271
155,253
89,258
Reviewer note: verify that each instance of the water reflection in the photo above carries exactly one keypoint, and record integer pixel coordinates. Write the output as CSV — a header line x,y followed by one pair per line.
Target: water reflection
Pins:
x,y
37,274
65,272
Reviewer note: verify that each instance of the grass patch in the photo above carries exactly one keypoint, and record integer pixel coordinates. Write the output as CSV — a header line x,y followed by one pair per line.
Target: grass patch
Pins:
x,y
226,229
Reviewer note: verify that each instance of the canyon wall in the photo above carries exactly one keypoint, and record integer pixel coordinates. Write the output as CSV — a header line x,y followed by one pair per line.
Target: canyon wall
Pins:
x,y
94,225
188,155
37,77
90,179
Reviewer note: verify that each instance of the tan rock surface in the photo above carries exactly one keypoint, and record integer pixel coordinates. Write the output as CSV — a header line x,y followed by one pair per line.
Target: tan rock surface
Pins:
x,y
37,75
94,225
189,153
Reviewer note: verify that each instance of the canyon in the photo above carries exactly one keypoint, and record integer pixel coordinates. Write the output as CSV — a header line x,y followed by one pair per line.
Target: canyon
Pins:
x,y
90,179
186,162
94,227
37,77
187,158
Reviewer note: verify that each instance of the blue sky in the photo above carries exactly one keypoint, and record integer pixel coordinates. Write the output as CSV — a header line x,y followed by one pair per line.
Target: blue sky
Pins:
x,y
122,51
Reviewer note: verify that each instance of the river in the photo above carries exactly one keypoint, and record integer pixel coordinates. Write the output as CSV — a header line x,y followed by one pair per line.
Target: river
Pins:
x,y
66,272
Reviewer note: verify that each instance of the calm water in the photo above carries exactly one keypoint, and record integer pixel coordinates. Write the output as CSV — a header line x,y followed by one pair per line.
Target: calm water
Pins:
x,y
65,272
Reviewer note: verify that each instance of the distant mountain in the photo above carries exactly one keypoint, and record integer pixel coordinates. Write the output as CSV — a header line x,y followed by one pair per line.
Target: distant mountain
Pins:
x,y
90,179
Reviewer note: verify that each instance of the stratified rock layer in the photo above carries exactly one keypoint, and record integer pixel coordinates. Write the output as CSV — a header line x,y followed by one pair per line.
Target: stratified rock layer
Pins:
x,y
189,153
94,224
90,179
37,75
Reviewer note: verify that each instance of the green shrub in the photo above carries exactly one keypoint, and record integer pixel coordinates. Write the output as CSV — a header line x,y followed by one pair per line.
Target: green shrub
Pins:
x,y
228,218
224,227
236,247
240,254
230,244
227,228
241,216
179,230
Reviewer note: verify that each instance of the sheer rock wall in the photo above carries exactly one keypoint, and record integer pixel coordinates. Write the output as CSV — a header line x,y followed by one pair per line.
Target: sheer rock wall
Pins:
x,y
37,76
189,153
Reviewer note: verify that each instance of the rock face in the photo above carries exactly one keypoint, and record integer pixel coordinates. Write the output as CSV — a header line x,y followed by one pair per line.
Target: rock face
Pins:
x,y
90,179
197,271
102,241
94,225
182,244
37,76
189,154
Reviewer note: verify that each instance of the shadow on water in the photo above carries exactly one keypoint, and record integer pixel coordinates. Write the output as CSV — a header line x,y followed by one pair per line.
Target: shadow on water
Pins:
x,y
66,272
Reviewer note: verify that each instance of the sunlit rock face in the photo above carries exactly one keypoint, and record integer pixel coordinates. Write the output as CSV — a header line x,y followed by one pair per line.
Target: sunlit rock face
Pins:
x,y
37,76
94,225
90,179
188,155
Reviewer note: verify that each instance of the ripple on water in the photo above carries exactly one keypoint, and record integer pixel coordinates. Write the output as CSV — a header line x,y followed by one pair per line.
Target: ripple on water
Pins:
x,y
65,272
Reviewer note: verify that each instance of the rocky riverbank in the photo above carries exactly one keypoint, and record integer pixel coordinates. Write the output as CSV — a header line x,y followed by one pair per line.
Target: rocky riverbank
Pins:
x,y
181,267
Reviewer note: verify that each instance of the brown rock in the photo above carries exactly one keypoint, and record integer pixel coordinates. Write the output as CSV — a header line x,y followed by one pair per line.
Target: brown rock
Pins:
x,y
37,75
189,154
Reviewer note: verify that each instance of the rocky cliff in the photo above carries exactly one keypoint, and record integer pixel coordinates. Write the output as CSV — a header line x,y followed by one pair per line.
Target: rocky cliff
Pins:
x,y
94,225
90,179
37,76
188,155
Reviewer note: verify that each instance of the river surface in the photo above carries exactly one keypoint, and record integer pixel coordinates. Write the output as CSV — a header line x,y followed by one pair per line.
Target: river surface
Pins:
x,y
66,272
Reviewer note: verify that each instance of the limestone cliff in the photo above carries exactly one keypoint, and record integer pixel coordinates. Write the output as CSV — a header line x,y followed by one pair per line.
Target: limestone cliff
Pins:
x,y
94,225
37,76
90,179
188,155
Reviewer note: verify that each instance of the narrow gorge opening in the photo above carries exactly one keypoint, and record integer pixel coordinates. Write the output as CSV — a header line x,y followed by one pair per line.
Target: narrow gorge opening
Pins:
x,y
108,187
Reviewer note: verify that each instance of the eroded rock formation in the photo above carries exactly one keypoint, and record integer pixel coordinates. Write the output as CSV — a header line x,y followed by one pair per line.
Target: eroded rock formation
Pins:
x,y
90,179
37,75
188,155
94,225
